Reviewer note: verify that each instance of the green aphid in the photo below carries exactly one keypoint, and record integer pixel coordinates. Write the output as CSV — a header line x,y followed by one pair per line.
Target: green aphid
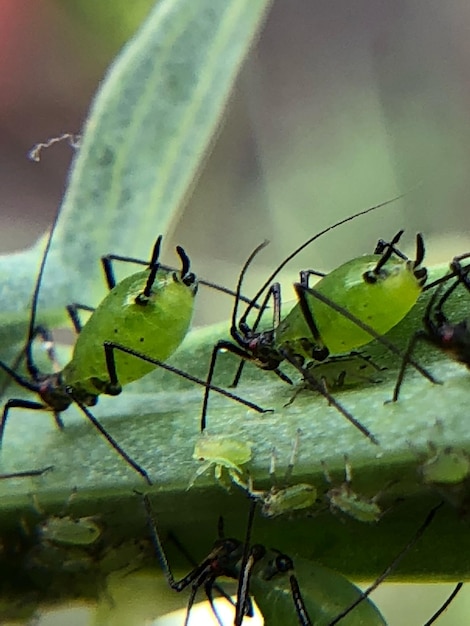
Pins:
x,y
300,591
343,498
149,311
355,303
282,500
138,313
324,592
446,465
361,286
222,453
72,531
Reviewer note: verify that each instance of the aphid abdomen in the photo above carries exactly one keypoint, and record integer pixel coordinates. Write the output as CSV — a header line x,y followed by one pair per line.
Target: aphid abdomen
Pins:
x,y
156,327
325,593
293,498
380,304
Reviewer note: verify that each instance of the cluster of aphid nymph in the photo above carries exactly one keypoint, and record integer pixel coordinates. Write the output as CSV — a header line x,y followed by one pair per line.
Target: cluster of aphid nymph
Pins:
x,y
321,344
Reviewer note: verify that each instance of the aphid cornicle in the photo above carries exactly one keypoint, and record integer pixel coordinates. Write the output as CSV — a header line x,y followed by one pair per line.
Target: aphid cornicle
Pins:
x,y
150,310
452,338
344,311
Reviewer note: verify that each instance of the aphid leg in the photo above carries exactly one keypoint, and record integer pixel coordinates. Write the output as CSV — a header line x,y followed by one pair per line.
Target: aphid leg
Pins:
x,y
219,561
318,386
445,605
251,554
17,403
110,347
293,457
393,565
368,329
419,335
181,548
222,346
73,313
459,270
299,603
305,276
272,465
433,318
38,472
112,442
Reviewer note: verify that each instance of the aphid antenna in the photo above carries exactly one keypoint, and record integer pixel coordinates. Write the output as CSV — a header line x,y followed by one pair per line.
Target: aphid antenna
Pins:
x,y
32,369
445,605
111,346
246,265
293,254
171,268
393,565
112,442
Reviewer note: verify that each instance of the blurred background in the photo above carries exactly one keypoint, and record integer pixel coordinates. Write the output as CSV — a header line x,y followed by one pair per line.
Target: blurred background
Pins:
x,y
340,106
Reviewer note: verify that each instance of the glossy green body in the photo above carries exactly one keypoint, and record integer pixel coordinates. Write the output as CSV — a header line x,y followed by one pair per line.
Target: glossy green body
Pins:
x,y
284,501
354,505
156,328
447,465
325,593
81,531
381,305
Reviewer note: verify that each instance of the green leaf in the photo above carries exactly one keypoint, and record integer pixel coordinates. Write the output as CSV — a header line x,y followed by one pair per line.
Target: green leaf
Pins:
x,y
146,134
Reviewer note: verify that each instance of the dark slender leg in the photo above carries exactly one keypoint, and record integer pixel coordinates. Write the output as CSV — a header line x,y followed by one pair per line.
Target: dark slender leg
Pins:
x,y
249,558
420,335
368,329
112,442
17,403
107,263
25,473
72,310
393,565
305,276
301,290
110,347
301,609
318,386
445,605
